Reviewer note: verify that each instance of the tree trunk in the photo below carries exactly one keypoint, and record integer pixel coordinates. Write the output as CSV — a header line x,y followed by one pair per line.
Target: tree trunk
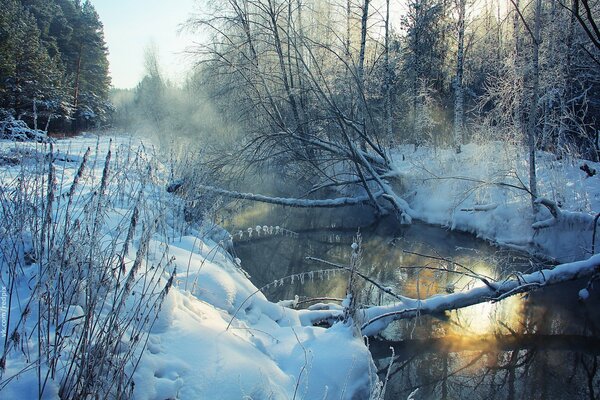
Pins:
x,y
285,75
517,73
379,317
388,76
360,73
289,202
76,89
35,114
459,91
48,122
532,121
348,15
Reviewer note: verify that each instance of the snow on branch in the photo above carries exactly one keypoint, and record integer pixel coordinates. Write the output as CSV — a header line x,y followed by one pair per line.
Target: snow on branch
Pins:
x,y
481,207
292,202
378,318
572,217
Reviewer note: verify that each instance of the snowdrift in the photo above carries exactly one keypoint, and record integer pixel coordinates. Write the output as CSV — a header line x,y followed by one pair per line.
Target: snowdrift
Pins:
x,y
166,293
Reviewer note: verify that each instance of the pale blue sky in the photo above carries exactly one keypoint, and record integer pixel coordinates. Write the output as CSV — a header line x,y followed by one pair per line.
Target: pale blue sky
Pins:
x,y
131,25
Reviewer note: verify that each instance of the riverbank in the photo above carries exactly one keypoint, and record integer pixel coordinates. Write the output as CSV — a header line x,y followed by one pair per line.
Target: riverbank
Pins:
x,y
483,190
154,305
99,255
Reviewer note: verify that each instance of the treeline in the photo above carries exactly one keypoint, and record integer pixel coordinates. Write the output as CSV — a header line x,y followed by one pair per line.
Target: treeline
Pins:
x,y
306,75
168,112
54,67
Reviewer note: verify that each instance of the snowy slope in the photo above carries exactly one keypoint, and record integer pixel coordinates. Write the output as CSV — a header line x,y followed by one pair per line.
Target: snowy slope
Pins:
x,y
479,191
172,304
193,348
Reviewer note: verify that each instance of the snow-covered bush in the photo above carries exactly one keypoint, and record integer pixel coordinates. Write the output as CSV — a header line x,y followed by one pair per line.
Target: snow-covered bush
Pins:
x,y
17,130
81,294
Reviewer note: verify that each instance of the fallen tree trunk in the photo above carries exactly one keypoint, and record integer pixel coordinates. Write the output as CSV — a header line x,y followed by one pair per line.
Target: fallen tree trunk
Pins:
x,y
284,201
376,319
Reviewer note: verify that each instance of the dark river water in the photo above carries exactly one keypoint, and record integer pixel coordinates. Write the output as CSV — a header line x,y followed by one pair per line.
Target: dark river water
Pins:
x,y
543,346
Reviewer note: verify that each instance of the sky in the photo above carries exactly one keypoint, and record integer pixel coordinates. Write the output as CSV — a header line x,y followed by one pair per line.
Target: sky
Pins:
x,y
130,26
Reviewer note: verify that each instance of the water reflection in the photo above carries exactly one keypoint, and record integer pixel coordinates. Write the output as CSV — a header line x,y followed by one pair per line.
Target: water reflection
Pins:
x,y
544,346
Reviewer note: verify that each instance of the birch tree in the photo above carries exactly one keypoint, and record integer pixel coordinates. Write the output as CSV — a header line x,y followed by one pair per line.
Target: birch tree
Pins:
x,y
387,80
533,106
459,91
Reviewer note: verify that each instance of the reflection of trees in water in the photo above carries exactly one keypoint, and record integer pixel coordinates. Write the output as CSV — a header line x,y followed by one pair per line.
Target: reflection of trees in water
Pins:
x,y
548,354
544,347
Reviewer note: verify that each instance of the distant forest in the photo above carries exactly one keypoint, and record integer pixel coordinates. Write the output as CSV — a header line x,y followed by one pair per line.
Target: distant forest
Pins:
x,y
54,67
443,72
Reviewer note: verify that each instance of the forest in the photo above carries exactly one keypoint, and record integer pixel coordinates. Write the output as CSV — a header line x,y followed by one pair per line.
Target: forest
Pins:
x,y
54,67
318,83
353,199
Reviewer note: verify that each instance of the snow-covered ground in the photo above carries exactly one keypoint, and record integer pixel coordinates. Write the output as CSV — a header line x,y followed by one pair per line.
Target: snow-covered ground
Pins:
x,y
215,337
150,291
478,191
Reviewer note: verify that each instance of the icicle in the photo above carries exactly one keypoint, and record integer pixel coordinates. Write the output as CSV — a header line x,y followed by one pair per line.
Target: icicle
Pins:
x,y
241,233
265,229
292,281
277,229
258,229
249,232
302,279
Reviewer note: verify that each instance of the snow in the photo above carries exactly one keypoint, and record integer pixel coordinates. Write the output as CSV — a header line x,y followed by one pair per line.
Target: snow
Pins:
x,y
216,335
17,130
290,202
377,318
478,191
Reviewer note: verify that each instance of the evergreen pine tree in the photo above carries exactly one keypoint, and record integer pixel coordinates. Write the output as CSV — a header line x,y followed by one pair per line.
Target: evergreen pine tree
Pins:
x,y
54,63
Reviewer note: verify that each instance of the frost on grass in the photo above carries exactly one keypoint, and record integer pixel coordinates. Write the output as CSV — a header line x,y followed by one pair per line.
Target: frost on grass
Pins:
x,y
105,279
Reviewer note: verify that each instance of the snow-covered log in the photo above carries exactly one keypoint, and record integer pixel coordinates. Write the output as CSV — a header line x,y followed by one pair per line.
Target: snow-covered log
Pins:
x,y
480,207
291,202
375,319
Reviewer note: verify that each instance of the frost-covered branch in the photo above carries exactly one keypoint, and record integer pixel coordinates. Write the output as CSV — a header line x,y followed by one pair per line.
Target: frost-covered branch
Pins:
x,y
470,273
363,276
289,202
284,201
378,318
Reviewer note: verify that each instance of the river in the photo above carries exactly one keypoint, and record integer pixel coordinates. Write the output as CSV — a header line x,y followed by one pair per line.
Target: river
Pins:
x,y
541,346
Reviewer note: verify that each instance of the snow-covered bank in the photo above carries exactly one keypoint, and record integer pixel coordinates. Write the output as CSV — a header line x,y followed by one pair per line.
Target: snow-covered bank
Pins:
x,y
481,191
102,275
